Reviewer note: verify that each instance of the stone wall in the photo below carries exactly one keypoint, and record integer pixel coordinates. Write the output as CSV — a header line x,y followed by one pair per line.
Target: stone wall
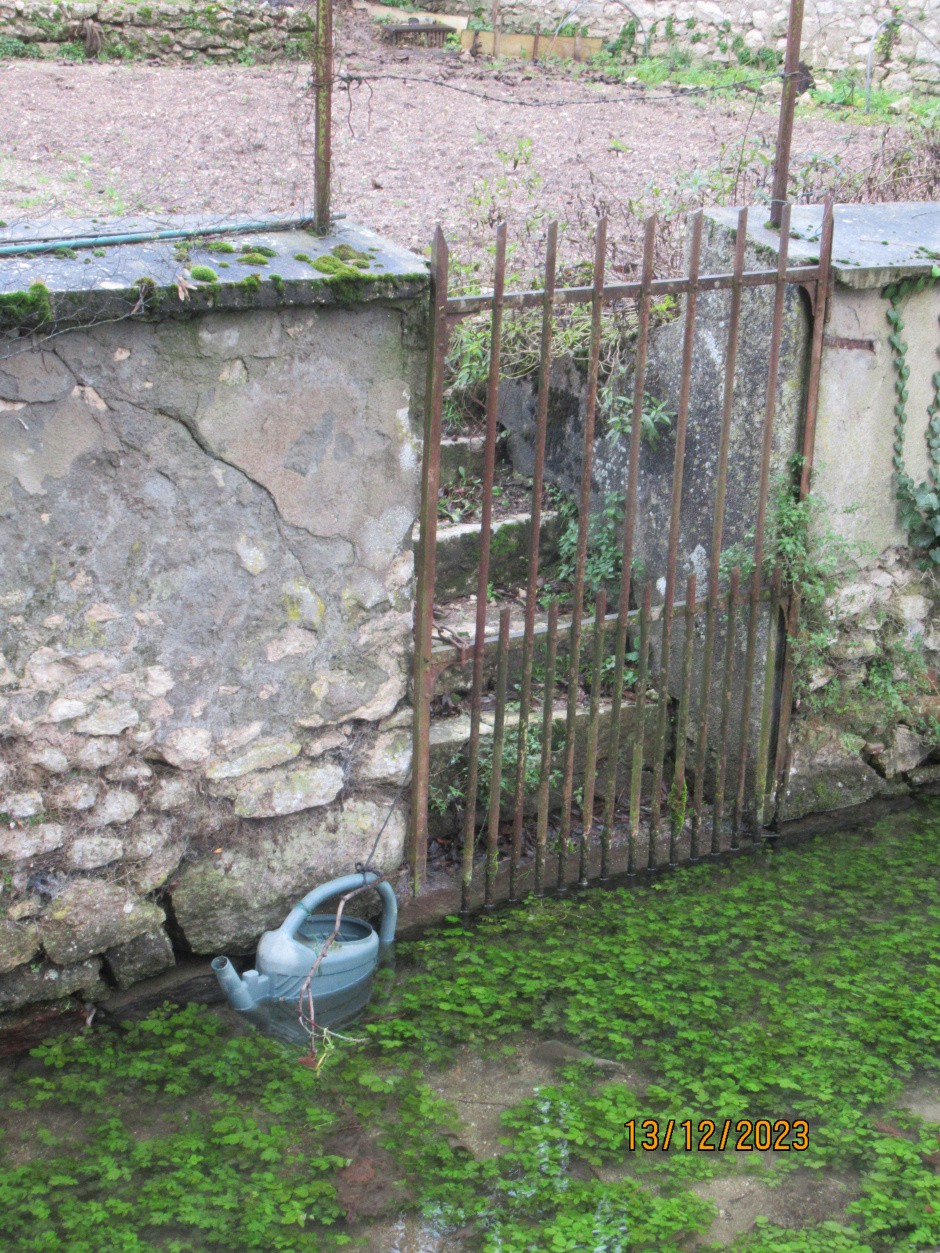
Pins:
x,y
232,31
836,33
206,516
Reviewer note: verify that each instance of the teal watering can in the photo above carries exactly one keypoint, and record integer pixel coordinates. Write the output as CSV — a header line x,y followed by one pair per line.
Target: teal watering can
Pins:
x,y
343,982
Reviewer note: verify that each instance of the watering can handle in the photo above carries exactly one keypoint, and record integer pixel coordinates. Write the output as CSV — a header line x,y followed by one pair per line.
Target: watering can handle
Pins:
x,y
338,887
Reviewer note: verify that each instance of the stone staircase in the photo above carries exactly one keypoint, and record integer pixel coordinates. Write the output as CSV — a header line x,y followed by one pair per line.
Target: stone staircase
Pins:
x,y
458,552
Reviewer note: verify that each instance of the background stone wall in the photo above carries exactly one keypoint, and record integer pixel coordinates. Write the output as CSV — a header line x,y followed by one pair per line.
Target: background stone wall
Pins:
x,y
836,33
164,32
205,629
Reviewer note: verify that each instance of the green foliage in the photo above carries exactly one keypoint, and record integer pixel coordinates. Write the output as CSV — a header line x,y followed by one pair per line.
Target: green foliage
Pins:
x,y
204,274
258,250
71,52
616,409
250,257
219,245
17,49
918,503
604,560
799,983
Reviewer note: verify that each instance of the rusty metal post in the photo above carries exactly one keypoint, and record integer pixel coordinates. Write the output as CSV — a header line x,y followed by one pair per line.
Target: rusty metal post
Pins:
x,y
496,776
426,564
545,764
675,523
584,518
629,537
718,522
531,594
483,572
763,491
323,117
791,68
590,761
678,793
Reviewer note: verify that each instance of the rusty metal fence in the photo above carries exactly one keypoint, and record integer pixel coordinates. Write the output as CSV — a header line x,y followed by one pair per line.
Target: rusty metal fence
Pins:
x,y
681,756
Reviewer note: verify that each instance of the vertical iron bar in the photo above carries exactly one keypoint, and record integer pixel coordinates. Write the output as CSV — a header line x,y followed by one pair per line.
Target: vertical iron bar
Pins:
x,y
791,68
590,762
584,517
545,765
773,371
766,712
678,794
820,310
675,520
636,766
538,479
489,466
718,523
726,685
629,538
496,778
322,113
426,560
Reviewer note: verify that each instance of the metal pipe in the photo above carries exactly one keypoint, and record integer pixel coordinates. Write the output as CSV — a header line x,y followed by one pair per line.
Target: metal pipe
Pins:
x,y
48,244
464,306
791,68
323,112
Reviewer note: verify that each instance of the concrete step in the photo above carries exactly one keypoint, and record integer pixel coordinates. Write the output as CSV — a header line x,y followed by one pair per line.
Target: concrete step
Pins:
x,y
458,553
453,660
461,457
450,744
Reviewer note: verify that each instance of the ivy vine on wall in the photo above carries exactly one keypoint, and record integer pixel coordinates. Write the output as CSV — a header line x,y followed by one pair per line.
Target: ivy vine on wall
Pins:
x,y
918,503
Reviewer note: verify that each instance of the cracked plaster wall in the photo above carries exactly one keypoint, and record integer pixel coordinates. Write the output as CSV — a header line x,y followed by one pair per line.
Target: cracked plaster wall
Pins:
x,y
205,619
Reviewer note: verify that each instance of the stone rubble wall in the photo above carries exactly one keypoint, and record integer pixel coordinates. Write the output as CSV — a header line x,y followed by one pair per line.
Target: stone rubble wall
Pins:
x,y
836,33
859,748
164,32
205,630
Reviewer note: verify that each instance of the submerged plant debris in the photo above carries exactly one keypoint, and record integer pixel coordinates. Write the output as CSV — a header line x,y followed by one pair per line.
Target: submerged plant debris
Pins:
x,y
799,984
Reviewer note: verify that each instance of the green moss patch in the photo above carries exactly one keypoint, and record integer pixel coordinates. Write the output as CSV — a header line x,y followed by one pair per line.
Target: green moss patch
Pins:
x,y
220,245
25,310
204,274
259,250
253,258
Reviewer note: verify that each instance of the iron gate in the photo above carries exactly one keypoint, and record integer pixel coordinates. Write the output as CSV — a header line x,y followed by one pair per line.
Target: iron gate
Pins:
x,y
703,674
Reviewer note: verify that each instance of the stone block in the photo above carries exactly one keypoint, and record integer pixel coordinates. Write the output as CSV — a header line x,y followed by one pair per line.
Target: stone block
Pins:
x,y
273,793
141,958
19,942
827,772
92,915
224,903
29,984
22,844
92,851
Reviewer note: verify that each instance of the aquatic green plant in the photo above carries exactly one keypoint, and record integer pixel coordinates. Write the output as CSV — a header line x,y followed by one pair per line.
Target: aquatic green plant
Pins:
x,y
799,983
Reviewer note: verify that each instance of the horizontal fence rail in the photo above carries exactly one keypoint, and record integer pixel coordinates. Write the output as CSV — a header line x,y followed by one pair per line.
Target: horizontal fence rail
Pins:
x,y
640,723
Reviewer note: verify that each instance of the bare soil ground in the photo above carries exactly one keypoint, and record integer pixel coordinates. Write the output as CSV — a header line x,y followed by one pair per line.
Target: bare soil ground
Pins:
x,y
107,140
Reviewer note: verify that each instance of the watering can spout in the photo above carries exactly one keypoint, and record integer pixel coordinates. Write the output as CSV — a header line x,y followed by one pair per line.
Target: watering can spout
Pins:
x,y
234,987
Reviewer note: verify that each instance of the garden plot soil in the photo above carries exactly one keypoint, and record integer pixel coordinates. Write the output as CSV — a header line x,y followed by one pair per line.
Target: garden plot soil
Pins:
x,y
107,140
